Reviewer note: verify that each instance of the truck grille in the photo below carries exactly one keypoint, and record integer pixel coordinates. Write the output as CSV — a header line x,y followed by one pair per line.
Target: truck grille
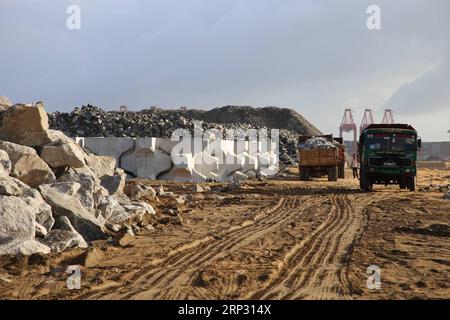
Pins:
x,y
390,161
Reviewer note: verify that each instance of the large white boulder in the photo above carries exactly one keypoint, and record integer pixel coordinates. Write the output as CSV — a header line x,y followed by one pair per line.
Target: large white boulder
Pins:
x,y
27,166
100,165
25,124
63,153
23,247
123,211
89,185
64,236
44,216
81,219
114,184
17,219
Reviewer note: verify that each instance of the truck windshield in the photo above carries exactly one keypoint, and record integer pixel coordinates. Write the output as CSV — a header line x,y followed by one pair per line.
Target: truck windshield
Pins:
x,y
378,141
403,142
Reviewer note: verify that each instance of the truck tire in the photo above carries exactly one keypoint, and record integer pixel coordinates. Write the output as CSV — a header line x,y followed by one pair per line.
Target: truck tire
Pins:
x,y
304,174
330,174
341,172
411,183
307,174
335,173
402,183
365,183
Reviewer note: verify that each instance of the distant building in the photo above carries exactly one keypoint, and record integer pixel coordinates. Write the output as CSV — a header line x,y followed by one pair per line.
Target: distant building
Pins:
x,y
123,109
435,150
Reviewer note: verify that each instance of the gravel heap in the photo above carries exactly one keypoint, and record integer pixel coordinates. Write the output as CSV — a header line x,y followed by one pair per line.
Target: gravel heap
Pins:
x,y
92,121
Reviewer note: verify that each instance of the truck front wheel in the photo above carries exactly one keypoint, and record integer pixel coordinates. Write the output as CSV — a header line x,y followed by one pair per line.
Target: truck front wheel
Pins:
x,y
365,183
411,183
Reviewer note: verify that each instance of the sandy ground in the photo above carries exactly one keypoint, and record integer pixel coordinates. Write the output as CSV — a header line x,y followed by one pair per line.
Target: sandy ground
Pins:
x,y
277,239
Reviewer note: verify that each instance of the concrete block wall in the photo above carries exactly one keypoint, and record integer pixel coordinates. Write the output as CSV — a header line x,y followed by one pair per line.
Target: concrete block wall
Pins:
x,y
200,160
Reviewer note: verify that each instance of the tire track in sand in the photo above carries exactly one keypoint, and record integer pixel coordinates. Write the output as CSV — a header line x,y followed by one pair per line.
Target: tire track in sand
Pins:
x,y
316,267
173,287
177,272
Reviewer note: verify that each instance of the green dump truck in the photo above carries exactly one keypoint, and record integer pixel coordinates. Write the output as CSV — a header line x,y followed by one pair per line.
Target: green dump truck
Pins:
x,y
388,155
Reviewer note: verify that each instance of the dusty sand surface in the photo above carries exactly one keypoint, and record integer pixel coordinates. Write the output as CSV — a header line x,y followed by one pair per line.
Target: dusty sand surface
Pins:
x,y
277,239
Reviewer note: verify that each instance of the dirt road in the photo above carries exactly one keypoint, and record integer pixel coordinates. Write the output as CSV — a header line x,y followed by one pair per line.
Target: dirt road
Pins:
x,y
280,239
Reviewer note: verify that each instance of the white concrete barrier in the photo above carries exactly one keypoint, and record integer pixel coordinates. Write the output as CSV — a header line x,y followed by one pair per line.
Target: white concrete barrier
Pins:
x,y
199,160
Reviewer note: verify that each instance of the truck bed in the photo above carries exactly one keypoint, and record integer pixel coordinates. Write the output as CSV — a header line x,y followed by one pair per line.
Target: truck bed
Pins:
x,y
318,157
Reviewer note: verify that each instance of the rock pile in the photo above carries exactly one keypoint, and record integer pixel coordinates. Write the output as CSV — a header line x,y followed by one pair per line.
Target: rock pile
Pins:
x,y
54,195
318,143
445,188
91,121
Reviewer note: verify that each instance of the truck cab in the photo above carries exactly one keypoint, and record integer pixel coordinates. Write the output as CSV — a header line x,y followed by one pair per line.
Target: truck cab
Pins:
x,y
388,155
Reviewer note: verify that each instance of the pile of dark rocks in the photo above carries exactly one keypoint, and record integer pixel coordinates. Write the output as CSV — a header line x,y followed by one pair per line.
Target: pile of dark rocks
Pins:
x,y
92,121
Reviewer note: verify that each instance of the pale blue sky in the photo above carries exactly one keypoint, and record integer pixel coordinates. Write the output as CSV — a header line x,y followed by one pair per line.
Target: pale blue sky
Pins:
x,y
315,56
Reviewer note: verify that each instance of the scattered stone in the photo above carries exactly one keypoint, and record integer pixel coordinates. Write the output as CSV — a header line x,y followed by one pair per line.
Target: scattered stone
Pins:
x,y
130,212
139,191
238,176
446,196
180,200
177,220
234,185
197,188
164,220
160,191
261,176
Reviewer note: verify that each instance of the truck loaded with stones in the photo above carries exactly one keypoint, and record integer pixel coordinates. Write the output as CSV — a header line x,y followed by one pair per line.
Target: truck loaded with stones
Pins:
x,y
321,156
